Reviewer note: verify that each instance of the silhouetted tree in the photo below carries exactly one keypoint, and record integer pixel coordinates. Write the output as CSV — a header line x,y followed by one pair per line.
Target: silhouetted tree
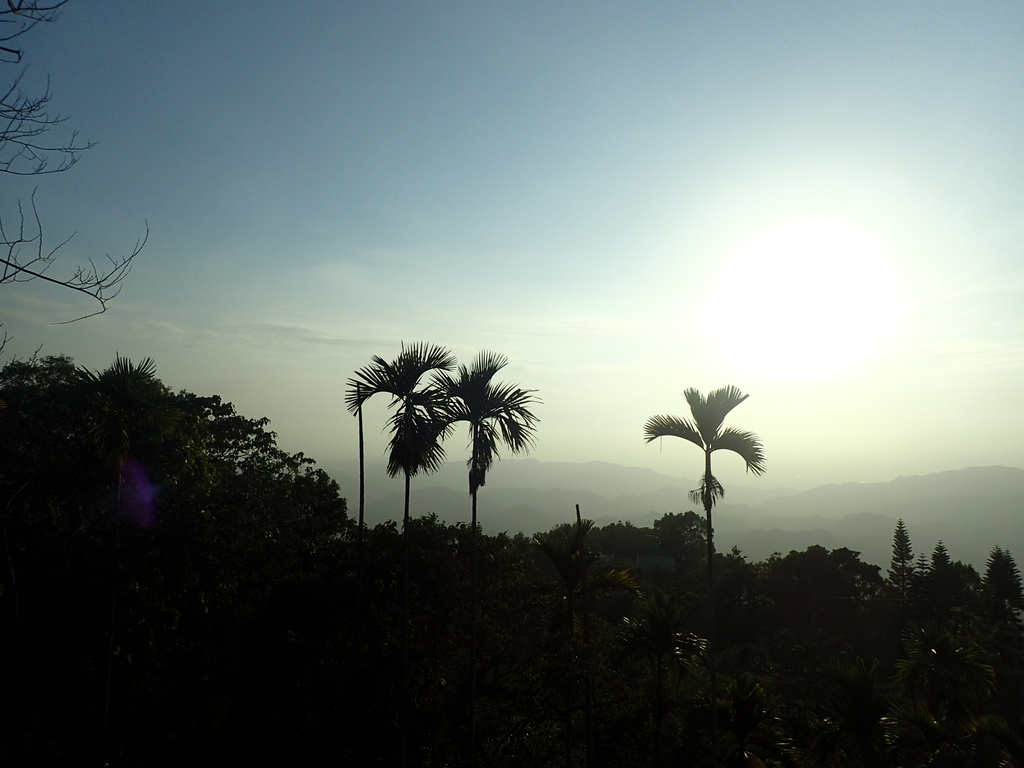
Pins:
x,y
216,520
945,680
821,593
945,584
853,708
128,398
657,636
624,541
949,676
567,549
1003,584
748,716
682,536
901,567
418,425
419,420
706,430
496,414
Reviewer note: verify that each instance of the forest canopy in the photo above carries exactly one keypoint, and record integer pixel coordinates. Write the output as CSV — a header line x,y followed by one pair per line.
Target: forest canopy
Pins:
x,y
179,590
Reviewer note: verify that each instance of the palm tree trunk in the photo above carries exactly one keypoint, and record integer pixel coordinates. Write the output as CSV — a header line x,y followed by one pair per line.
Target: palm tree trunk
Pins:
x,y
14,582
658,710
473,651
570,668
7,549
712,664
568,706
360,554
405,624
588,683
362,473
113,614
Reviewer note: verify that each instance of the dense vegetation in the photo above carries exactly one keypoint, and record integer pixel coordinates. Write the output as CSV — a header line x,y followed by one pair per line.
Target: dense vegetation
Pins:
x,y
179,591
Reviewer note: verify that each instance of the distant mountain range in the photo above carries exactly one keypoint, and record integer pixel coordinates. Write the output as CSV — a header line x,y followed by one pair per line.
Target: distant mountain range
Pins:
x,y
970,510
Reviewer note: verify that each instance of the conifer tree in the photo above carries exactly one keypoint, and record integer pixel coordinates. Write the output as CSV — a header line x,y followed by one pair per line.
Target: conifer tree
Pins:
x,y
940,558
1003,583
901,569
944,584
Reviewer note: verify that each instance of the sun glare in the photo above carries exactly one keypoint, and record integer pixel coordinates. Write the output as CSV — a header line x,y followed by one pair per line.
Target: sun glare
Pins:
x,y
808,297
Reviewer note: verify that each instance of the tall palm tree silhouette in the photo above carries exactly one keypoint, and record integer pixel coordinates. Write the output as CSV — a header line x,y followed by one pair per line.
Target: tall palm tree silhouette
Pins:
x,y
656,635
567,548
417,426
705,430
418,421
496,414
129,399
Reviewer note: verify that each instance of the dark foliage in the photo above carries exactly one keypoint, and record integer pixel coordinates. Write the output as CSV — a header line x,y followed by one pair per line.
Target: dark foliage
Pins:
x,y
241,635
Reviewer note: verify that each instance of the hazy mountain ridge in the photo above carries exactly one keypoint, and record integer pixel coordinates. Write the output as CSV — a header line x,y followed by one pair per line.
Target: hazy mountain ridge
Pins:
x,y
970,510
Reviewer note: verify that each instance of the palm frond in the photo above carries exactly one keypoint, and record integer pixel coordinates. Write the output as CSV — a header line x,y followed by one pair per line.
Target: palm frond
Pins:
x,y
419,358
614,578
911,724
418,428
415,445
129,397
853,700
709,491
950,673
496,413
398,378
569,559
657,631
487,363
420,420
709,412
672,426
379,376
746,444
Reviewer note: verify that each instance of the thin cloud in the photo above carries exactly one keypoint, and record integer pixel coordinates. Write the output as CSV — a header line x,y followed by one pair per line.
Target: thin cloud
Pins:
x,y
297,334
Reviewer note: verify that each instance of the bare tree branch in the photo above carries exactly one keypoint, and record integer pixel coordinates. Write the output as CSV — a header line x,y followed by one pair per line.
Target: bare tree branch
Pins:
x,y
24,257
25,14
24,119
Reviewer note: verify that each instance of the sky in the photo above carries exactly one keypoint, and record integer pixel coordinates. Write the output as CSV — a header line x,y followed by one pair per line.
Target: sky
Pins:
x,y
819,203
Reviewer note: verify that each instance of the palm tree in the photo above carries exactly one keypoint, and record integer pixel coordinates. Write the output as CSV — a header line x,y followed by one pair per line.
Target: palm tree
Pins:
x,y
916,736
949,676
129,399
567,549
417,426
943,680
656,635
749,717
496,413
854,710
706,431
418,422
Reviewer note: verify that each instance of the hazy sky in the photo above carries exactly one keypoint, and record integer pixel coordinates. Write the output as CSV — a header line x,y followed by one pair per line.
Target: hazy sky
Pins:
x,y
820,203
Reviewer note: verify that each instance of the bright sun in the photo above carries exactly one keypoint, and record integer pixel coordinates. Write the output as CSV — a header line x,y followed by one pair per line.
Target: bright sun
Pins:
x,y
810,296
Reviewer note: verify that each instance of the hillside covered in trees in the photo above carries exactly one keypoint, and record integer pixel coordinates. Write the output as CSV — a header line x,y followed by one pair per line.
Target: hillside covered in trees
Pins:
x,y
179,591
